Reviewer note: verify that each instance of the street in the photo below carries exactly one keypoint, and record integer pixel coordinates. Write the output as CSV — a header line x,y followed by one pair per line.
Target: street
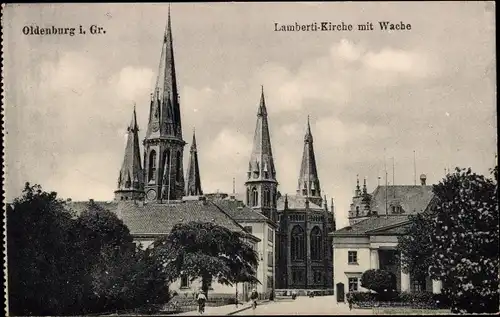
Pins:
x,y
321,305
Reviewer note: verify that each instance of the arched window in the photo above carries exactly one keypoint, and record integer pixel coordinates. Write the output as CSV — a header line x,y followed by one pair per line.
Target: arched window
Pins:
x,y
316,244
255,197
357,211
298,241
248,197
178,166
152,165
266,199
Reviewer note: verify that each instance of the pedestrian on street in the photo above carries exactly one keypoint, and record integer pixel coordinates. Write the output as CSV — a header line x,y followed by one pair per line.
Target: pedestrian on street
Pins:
x,y
349,300
253,297
201,301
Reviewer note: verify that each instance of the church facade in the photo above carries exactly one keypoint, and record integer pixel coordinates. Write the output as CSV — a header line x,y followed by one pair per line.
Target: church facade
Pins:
x,y
304,258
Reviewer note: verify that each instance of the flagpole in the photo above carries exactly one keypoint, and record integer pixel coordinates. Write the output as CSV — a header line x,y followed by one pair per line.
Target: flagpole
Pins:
x,y
385,167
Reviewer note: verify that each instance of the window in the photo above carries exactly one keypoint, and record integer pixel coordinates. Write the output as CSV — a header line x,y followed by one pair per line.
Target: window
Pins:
x,y
248,229
297,247
270,258
274,200
316,244
184,281
152,165
318,277
352,257
266,199
353,284
357,211
178,164
297,277
248,197
270,235
255,197
418,285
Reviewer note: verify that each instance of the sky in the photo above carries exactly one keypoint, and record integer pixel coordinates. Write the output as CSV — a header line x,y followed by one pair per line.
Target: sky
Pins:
x,y
371,95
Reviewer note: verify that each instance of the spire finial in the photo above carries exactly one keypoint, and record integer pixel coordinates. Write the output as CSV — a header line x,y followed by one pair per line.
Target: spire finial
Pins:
x,y
357,181
234,189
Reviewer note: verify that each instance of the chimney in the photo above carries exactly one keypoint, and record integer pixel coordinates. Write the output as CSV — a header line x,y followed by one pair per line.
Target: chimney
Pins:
x,y
422,179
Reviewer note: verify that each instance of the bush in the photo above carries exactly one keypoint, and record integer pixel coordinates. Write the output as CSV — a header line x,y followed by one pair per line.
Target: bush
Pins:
x,y
358,297
426,298
380,281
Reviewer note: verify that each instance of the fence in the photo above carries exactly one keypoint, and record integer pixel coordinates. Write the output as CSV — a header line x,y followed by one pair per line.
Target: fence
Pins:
x,y
303,292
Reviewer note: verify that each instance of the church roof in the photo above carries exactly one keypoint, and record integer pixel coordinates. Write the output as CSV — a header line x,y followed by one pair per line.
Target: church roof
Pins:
x,y
411,198
371,225
297,202
159,218
239,212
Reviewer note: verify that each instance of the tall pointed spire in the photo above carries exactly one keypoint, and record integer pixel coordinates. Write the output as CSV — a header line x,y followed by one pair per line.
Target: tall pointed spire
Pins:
x,y
261,184
164,116
309,185
131,179
193,184
163,145
261,163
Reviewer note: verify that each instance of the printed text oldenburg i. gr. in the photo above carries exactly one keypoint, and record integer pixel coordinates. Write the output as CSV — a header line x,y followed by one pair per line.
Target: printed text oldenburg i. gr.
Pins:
x,y
53,30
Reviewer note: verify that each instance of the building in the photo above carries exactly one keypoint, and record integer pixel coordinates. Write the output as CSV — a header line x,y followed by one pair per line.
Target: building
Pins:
x,y
370,241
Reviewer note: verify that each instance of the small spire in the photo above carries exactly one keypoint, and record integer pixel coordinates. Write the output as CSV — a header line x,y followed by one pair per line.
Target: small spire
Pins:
x,y
326,203
364,185
193,184
286,201
357,182
234,189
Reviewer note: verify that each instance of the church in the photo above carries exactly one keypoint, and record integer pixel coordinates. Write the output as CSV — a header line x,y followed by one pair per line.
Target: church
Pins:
x,y
289,232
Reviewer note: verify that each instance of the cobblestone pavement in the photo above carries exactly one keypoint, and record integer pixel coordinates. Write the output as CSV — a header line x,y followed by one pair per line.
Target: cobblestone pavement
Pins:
x,y
321,305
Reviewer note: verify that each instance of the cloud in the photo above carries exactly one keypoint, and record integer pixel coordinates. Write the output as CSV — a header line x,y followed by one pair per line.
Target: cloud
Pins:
x,y
132,84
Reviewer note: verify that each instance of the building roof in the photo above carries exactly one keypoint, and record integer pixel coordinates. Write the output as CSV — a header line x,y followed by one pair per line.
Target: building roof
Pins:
x,y
159,218
412,198
371,225
296,202
239,212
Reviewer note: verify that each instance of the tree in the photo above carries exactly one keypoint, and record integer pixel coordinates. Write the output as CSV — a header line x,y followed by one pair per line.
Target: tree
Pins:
x,y
416,246
381,281
122,276
61,264
206,251
44,274
465,238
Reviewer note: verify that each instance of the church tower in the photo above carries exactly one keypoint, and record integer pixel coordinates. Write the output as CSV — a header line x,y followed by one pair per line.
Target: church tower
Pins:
x,y
261,184
163,145
309,186
193,184
131,178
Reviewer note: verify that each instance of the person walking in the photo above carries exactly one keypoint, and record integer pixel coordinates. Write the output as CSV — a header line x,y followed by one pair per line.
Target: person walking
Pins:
x,y
349,300
201,299
253,297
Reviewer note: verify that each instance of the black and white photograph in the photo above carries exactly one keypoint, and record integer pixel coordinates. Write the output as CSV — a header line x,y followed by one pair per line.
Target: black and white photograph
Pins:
x,y
250,158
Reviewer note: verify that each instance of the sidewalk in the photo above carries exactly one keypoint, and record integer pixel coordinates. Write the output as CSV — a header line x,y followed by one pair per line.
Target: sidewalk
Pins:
x,y
223,310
